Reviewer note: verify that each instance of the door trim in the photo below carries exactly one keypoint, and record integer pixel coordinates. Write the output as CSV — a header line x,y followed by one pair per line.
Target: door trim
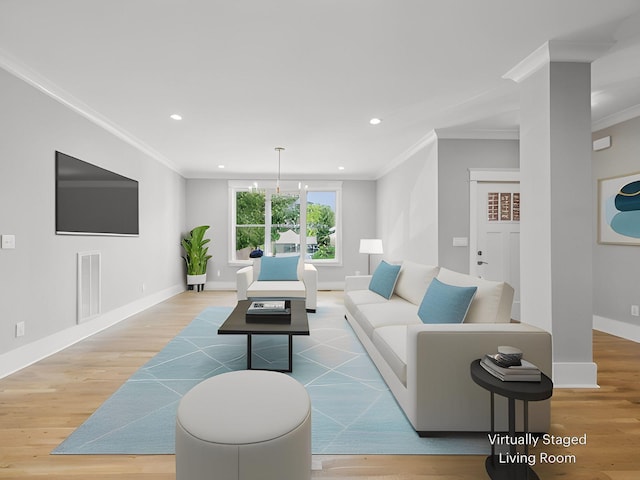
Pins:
x,y
478,175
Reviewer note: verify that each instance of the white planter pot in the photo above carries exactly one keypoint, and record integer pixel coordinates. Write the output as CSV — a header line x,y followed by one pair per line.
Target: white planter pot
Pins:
x,y
197,280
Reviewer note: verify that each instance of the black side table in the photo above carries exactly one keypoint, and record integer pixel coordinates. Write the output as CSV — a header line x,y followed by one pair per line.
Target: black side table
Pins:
x,y
525,391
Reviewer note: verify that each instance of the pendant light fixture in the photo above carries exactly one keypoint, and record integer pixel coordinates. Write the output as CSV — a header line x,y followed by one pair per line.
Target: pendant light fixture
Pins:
x,y
278,149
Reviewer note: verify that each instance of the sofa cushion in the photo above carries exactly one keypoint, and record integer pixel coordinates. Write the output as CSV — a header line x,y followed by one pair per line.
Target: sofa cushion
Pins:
x,y
444,303
413,281
393,312
491,303
384,279
391,343
275,289
355,298
279,268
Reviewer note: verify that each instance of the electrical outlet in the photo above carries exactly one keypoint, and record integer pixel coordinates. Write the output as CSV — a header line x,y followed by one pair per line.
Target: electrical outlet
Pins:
x,y
8,241
20,329
635,310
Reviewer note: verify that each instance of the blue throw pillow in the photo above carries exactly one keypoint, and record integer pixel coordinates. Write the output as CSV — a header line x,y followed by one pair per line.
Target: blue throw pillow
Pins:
x,y
443,303
279,269
384,279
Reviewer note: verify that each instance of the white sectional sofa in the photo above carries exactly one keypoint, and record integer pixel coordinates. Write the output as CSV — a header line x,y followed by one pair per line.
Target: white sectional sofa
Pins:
x,y
426,366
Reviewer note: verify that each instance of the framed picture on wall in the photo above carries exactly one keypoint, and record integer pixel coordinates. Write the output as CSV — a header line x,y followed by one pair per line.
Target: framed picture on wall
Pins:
x,y
619,210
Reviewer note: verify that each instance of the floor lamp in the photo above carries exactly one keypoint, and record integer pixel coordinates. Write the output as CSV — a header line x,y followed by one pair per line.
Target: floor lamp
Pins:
x,y
370,246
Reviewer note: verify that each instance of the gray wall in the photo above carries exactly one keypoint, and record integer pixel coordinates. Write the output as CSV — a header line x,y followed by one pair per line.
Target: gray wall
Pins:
x,y
455,157
615,267
208,204
424,202
38,278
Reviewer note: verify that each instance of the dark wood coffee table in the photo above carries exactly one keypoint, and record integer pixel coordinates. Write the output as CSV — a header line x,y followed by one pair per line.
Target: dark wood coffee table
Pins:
x,y
237,324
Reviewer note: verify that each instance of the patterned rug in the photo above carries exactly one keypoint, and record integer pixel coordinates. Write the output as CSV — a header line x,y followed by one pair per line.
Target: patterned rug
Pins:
x,y
353,411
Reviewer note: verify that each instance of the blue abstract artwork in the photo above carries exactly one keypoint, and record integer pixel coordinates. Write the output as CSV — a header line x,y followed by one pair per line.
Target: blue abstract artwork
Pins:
x,y
619,216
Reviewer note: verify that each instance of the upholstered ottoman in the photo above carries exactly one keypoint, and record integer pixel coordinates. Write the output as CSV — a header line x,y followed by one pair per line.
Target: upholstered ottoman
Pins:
x,y
246,425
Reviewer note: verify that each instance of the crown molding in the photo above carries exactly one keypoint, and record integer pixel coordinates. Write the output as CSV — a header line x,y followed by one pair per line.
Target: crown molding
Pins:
x,y
426,140
557,51
478,134
615,118
50,89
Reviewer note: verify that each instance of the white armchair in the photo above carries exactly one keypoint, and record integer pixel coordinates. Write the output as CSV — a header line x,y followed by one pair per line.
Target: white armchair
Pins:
x,y
249,286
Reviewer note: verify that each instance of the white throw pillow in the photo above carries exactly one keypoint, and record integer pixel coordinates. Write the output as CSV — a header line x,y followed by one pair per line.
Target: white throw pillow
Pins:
x,y
413,281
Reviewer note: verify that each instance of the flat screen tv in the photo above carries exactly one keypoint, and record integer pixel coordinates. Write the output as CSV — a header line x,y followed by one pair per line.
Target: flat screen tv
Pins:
x,y
93,201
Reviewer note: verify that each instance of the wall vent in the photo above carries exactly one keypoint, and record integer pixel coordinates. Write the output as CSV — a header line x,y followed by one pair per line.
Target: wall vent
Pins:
x,y
88,285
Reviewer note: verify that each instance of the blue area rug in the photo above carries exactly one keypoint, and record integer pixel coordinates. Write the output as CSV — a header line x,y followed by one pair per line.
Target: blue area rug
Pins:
x,y
353,411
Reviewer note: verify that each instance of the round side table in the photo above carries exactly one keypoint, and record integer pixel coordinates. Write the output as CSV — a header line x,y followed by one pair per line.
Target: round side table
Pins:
x,y
525,391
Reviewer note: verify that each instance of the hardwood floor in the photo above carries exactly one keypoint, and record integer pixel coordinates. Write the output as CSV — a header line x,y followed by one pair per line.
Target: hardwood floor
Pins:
x,y
42,404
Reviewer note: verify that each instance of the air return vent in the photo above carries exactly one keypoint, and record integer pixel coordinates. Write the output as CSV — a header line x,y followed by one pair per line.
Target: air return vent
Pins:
x,y
88,285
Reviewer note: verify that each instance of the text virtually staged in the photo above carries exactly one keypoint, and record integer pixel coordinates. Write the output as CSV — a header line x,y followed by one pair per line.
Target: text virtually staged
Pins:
x,y
570,443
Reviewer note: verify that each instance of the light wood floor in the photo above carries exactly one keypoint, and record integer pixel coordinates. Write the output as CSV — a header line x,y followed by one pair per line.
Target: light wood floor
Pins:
x,y
42,404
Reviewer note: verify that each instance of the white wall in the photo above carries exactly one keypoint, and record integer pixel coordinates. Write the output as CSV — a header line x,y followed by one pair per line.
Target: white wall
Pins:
x,y
407,208
208,204
615,267
38,277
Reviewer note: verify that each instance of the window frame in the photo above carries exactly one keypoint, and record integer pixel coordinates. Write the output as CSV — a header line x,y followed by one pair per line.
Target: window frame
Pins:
x,y
269,187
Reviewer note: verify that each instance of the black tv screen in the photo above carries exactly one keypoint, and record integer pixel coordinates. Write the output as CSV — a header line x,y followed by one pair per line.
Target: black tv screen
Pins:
x,y
93,201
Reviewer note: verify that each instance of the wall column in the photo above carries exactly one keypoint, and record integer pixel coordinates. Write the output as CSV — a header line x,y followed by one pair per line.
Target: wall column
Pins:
x,y
556,211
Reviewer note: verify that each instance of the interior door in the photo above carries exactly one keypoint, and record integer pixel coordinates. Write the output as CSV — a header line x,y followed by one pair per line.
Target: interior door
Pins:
x,y
496,245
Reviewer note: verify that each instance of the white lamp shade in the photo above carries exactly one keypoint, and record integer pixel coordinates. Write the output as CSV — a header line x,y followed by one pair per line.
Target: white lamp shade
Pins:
x,y
371,246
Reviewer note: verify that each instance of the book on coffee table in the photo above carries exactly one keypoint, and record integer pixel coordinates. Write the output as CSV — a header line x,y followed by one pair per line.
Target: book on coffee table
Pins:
x,y
267,307
269,311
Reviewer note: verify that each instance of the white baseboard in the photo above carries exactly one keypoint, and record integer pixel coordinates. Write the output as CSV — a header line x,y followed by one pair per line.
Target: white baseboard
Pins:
x,y
29,354
331,285
220,286
617,328
575,375
339,285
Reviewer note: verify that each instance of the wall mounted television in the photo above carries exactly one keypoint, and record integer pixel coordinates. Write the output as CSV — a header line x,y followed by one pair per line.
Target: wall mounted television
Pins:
x,y
93,201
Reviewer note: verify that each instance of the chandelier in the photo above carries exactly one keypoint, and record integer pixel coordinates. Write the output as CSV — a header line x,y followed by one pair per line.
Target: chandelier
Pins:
x,y
278,149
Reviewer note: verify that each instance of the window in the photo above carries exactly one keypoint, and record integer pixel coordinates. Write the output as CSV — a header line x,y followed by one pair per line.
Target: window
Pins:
x,y
300,219
322,231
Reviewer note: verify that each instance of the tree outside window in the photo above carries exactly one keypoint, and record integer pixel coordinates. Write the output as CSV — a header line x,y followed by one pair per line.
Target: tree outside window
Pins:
x,y
273,223
321,225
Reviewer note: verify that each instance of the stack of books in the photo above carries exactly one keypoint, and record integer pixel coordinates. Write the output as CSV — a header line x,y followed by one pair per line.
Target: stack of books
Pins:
x,y
522,372
274,311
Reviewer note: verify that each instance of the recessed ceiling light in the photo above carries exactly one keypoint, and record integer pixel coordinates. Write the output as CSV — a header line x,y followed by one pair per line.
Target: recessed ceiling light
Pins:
x,y
175,116
221,166
340,167
375,121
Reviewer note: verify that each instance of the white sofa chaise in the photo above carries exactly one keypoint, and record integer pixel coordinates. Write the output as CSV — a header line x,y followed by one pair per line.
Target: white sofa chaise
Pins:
x,y
305,286
426,366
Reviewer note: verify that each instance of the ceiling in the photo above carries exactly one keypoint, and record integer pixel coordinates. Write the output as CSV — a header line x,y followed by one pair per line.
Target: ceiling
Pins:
x,y
251,75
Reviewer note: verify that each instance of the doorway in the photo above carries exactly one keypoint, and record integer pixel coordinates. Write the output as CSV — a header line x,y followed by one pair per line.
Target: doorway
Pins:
x,y
494,230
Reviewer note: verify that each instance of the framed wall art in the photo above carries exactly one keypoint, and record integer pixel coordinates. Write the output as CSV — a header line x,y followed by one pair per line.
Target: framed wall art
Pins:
x,y
619,210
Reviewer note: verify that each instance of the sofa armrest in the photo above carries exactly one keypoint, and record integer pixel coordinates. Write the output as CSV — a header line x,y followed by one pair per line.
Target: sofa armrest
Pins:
x,y
356,282
244,278
441,354
310,279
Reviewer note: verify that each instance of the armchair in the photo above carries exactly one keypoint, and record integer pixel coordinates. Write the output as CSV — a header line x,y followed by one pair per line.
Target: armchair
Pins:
x,y
249,285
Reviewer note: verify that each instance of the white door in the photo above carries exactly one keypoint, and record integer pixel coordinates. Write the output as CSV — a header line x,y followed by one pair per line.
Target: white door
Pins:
x,y
495,240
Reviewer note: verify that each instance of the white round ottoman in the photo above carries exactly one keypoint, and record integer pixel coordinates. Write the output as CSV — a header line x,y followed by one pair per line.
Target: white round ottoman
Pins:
x,y
246,425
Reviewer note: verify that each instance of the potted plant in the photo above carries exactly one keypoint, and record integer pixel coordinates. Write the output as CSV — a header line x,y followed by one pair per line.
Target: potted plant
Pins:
x,y
196,256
